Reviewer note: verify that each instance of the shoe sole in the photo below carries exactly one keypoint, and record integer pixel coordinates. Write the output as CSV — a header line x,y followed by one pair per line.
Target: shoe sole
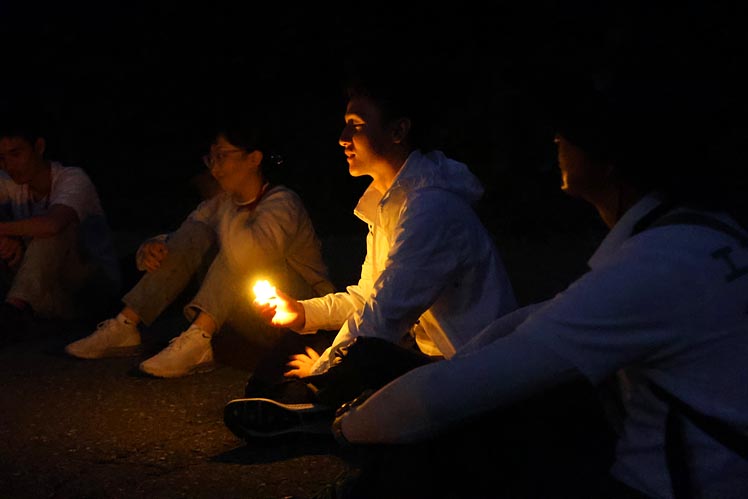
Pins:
x,y
109,353
198,369
264,418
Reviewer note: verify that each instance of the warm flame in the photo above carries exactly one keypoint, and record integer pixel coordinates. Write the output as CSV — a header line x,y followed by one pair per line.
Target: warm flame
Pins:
x,y
264,291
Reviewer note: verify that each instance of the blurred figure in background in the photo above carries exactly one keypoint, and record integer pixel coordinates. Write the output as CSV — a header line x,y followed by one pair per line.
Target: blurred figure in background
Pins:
x,y
57,258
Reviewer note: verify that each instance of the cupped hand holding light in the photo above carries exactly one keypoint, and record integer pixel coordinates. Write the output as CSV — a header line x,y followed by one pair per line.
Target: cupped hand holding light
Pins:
x,y
277,308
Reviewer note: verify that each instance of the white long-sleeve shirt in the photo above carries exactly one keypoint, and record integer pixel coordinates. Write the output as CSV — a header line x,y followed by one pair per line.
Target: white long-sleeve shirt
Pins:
x,y
667,306
272,238
431,267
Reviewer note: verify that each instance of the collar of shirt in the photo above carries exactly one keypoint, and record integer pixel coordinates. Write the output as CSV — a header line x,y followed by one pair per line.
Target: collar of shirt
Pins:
x,y
366,208
623,228
250,205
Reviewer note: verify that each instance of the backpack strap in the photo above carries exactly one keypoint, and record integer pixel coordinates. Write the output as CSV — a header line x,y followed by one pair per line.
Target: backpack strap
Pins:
x,y
675,450
733,438
730,437
693,218
660,216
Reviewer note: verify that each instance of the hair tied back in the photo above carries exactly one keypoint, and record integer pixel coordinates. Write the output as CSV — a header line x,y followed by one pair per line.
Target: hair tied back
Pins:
x,y
276,159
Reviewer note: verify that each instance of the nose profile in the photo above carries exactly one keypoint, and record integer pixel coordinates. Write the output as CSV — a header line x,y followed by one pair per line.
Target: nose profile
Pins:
x,y
345,137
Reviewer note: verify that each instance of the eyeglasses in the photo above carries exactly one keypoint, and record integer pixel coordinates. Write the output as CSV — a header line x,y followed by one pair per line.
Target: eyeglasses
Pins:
x,y
219,157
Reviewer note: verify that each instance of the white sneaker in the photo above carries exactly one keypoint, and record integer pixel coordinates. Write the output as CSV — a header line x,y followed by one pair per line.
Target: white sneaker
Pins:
x,y
112,338
188,353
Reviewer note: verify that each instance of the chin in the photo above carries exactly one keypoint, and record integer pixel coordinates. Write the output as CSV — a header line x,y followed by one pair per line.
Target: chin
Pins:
x,y
355,172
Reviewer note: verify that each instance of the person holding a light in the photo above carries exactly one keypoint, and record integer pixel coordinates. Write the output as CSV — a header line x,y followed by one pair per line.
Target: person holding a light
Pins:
x,y
662,316
253,227
432,276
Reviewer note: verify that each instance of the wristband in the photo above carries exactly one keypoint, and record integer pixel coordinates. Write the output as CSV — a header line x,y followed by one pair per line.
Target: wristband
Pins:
x,y
337,432
337,424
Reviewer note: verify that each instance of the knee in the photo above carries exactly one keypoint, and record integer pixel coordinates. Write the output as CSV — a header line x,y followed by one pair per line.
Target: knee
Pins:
x,y
67,238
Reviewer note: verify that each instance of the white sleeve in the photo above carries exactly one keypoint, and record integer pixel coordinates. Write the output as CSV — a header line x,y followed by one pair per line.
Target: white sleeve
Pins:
x,y
266,235
428,245
431,399
206,211
329,312
74,189
501,327
427,248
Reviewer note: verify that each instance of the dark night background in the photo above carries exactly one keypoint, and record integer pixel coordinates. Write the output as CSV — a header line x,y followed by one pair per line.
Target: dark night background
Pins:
x,y
130,88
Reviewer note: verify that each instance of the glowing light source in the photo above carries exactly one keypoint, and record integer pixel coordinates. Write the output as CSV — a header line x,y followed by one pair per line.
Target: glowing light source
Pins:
x,y
264,291
284,312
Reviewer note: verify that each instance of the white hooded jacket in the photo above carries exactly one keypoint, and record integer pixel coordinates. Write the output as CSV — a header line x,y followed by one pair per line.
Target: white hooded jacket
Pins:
x,y
431,267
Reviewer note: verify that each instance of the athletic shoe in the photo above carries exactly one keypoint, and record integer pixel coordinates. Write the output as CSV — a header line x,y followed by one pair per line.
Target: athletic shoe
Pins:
x,y
249,418
188,353
112,338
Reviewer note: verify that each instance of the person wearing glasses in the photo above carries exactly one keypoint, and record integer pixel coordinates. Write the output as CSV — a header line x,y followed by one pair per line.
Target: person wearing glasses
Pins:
x,y
252,228
57,258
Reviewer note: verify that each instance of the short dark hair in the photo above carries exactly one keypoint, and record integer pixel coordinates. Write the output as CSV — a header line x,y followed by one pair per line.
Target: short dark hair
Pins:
x,y
670,134
250,127
399,91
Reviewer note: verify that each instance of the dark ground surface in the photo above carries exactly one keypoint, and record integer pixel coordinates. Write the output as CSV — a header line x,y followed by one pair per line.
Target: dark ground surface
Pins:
x,y
72,429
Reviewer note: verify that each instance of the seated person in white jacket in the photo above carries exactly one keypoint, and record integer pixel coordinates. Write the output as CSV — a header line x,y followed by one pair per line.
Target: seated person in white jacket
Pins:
x,y
662,312
432,274
252,228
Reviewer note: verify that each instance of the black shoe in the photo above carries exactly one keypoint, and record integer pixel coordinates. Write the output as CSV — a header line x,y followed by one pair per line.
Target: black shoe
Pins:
x,y
14,323
249,418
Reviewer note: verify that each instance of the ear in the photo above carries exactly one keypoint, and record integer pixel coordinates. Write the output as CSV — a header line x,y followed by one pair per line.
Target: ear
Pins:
x,y
40,145
401,130
255,157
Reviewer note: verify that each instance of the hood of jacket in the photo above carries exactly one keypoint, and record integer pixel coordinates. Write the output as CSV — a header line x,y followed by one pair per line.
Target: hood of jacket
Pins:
x,y
420,171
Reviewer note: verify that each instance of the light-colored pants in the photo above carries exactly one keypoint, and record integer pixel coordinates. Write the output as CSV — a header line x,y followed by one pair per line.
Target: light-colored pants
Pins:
x,y
222,295
56,279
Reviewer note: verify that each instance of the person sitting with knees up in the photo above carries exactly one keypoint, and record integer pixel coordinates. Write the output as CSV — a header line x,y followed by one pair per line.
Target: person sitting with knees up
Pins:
x,y
57,258
252,227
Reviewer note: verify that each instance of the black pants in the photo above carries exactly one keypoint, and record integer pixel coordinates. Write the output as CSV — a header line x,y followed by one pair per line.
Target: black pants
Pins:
x,y
267,379
366,364
555,445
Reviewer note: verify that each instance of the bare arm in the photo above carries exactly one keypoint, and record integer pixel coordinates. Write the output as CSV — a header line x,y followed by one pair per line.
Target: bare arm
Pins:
x,y
52,223
11,250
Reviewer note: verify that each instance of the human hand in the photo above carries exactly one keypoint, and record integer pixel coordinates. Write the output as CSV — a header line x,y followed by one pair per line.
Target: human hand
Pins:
x,y
302,364
11,250
280,310
150,255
